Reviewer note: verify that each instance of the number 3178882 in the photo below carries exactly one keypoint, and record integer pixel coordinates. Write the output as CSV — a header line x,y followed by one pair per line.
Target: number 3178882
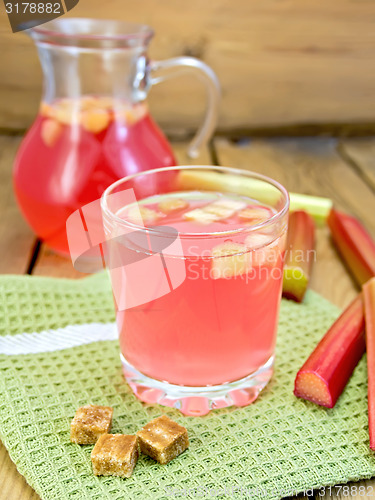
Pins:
x,y
33,8
347,491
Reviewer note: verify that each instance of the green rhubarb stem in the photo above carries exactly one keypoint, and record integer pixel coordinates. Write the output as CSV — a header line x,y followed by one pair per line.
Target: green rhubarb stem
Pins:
x,y
318,207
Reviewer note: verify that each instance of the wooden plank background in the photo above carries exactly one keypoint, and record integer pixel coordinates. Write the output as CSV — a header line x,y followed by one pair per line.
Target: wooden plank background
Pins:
x,y
280,62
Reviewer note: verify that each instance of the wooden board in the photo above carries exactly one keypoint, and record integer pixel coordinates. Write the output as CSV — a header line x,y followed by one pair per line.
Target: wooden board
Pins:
x,y
360,153
279,62
13,486
16,239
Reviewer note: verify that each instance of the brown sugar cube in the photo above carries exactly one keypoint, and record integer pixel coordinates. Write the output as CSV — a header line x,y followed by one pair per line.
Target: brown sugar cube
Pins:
x,y
163,439
89,423
114,455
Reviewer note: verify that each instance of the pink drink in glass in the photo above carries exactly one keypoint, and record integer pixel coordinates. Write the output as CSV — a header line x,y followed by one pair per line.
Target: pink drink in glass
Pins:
x,y
218,327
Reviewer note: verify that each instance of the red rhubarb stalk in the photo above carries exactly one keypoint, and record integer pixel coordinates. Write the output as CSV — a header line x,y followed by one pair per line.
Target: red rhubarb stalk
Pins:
x,y
354,244
325,373
299,255
369,301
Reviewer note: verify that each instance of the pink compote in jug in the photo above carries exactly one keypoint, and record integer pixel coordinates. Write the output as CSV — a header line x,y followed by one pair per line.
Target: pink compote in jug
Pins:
x,y
93,125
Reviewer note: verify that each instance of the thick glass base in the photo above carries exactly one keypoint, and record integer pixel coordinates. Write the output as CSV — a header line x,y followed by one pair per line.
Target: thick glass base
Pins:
x,y
197,401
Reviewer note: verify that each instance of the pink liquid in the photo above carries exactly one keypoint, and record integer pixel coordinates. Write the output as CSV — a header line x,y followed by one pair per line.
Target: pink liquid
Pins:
x,y
209,330
64,163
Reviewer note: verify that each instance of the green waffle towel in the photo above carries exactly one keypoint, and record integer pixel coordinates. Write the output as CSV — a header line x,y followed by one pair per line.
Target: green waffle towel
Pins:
x,y
275,447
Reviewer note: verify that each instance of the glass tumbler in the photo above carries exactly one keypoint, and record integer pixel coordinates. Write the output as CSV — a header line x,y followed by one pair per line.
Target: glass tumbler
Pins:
x,y
195,256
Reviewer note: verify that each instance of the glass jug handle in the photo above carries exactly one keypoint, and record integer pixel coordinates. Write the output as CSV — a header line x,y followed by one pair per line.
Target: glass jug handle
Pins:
x,y
181,65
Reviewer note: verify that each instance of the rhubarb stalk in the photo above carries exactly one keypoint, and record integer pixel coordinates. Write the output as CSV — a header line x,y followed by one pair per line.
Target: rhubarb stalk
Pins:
x,y
299,255
354,244
369,301
318,207
327,370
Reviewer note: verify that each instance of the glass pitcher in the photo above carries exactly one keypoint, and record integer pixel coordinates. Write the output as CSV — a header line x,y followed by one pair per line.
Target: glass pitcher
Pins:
x,y
93,126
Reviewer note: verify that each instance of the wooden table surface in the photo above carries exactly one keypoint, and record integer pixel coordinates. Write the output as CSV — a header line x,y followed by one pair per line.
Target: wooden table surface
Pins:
x,y
343,170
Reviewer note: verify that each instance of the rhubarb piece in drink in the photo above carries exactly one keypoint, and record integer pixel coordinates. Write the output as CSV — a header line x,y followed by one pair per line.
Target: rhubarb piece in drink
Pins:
x,y
221,209
261,250
299,255
143,215
255,214
95,120
327,370
369,302
230,204
50,132
229,260
354,244
171,205
46,110
201,216
131,115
